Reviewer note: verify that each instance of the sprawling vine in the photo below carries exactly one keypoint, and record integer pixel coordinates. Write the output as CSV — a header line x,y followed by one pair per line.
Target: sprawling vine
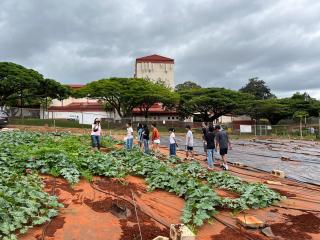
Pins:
x,y
70,157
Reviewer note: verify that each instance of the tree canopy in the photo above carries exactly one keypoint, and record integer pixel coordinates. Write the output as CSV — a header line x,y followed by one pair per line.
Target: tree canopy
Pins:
x,y
272,109
17,82
20,86
303,102
186,86
257,88
125,94
211,103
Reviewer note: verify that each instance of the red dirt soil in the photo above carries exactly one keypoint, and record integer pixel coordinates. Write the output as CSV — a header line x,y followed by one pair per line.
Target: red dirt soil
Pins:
x,y
297,227
230,234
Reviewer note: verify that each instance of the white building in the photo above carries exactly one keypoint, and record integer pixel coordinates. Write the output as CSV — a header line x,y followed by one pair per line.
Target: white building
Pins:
x,y
155,68
85,110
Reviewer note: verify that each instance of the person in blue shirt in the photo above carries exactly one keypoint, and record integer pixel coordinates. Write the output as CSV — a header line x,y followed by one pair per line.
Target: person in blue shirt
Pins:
x,y
140,136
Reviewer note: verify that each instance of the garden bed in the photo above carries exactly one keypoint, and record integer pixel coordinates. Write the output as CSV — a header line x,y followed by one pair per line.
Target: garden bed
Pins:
x,y
180,192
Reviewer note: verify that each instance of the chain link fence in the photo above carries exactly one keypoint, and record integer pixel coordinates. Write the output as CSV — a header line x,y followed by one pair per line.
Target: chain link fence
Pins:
x,y
287,131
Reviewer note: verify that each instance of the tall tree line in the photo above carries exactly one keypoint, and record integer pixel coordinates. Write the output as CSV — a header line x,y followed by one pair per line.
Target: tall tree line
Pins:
x,y
22,87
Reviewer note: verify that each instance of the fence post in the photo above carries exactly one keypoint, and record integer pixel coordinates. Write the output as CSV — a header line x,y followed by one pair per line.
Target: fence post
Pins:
x,y
319,126
300,127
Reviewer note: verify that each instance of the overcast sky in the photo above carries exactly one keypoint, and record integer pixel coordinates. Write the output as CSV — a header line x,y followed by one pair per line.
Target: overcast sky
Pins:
x,y
214,43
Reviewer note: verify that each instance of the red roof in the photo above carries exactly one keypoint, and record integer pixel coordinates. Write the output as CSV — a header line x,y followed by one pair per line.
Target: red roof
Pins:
x,y
76,86
155,59
98,107
80,107
155,109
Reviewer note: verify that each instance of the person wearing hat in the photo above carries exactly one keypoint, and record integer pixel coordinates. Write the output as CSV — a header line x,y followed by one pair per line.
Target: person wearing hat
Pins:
x,y
96,134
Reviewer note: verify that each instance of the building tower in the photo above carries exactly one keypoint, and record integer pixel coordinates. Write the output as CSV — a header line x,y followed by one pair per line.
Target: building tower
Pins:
x,y
155,68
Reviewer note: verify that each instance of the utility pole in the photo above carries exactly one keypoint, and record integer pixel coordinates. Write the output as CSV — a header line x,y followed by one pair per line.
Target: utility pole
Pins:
x,y
301,127
319,126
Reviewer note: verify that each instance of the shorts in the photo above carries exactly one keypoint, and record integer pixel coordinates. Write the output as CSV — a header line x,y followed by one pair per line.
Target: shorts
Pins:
x,y
189,148
157,141
223,151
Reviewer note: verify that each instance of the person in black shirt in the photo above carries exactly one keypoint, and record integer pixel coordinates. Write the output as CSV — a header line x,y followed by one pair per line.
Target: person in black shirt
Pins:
x,y
204,133
145,136
209,138
223,143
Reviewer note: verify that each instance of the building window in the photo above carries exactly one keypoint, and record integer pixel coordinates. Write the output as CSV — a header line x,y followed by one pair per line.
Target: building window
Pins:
x,y
168,117
155,118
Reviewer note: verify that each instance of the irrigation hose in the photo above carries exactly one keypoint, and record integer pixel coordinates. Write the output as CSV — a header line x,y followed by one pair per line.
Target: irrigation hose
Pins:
x,y
136,212
126,200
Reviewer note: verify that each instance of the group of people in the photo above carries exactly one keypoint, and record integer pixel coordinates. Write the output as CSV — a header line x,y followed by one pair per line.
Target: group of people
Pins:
x,y
214,138
143,137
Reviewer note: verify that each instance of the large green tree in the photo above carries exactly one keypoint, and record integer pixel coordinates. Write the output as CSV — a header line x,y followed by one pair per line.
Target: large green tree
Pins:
x,y
22,87
209,104
125,94
51,89
303,102
151,93
277,109
17,83
186,86
272,109
257,88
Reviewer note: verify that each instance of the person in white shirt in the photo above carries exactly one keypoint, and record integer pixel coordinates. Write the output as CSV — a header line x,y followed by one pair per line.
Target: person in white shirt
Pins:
x,y
129,137
173,143
96,134
189,143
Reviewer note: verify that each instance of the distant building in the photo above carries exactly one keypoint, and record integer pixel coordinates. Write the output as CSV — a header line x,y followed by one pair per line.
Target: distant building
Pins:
x,y
156,113
155,68
85,110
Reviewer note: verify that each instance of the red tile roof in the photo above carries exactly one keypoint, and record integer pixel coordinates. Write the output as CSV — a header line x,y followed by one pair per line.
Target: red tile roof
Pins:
x,y
80,107
155,109
155,59
75,86
98,107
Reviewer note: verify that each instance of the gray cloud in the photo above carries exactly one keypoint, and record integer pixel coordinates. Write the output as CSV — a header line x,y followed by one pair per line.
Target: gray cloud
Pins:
x,y
215,43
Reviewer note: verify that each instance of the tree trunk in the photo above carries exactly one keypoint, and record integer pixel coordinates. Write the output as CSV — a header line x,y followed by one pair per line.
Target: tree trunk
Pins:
x,y
146,113
46,105
21,104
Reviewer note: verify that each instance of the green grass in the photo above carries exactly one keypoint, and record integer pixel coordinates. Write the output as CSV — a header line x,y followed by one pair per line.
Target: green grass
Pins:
x,y
49,122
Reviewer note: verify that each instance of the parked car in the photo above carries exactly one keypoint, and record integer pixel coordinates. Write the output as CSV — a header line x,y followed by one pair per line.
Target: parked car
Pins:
x,y
3,119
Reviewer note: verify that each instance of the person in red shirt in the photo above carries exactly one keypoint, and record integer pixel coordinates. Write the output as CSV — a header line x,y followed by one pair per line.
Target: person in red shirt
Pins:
x,y
155,139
